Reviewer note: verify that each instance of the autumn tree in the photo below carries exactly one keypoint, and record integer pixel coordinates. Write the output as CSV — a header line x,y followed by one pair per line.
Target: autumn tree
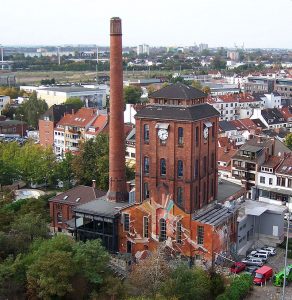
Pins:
x,y
196,84
149,275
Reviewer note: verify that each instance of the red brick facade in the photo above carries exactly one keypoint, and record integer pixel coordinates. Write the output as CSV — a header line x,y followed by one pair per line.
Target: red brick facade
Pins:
x,y
199,187
46,130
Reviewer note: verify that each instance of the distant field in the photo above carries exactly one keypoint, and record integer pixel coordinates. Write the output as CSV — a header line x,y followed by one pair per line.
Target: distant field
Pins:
x,y
27,77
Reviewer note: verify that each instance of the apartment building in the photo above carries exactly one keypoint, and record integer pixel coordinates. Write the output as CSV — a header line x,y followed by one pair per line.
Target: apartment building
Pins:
x,y
249,159
274,181
75,127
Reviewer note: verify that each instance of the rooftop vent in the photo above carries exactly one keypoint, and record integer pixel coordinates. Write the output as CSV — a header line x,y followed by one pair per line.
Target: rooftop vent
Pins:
x,y
65,197
78,199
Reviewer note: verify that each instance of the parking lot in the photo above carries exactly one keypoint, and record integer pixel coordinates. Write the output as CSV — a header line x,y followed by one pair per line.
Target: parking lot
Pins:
x,y
270,291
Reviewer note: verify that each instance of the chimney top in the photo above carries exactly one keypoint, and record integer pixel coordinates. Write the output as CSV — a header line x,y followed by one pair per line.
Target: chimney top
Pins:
x,y
116,26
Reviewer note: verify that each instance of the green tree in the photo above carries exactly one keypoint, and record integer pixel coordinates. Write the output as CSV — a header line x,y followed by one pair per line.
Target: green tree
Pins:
x,y
132,94
288,140
64,170
91,260
187,284
77,103
31,110
218,63
51,275
30,226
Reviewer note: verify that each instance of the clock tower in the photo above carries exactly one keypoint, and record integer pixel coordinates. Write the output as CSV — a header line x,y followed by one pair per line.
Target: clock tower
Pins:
x,y
176,148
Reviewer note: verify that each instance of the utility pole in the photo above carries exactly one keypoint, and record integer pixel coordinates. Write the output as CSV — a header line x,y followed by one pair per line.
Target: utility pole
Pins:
x,y
58,54
97,65
2,57
286,254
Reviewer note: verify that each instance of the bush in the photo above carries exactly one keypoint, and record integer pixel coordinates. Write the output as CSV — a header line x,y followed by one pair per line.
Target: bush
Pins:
x,y
238,289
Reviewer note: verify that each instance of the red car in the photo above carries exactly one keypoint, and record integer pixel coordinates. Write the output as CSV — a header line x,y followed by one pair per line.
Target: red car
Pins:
x,y
237,267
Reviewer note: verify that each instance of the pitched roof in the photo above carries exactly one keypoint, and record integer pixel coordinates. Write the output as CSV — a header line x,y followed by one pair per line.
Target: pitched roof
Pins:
x,y
98,124
273,116
56,112
248,123
80,119
78,195
226,126
225,154
101,207
182,113
259,123
285,167
272,162
178,91
238,125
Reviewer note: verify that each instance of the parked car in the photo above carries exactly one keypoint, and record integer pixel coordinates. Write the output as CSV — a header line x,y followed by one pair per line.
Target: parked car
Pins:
x,y
263,256
262,275
270,250
253,261
237,267
251,270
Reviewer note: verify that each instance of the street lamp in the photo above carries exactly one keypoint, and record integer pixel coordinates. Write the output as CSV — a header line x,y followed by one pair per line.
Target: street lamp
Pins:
x,y
286,254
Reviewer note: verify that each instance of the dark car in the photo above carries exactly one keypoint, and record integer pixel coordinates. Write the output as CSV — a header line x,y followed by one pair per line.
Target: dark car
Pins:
x,y
251,269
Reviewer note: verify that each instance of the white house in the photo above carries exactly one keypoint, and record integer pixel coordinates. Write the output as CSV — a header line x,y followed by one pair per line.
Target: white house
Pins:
x,y
3,101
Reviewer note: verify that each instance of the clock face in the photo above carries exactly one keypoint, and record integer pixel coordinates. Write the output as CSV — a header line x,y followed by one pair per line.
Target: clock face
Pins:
x,y
163,134
206,132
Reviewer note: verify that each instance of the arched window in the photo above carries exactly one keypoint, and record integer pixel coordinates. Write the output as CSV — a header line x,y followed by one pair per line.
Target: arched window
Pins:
x,y
178,232
180,136
146,165
162,227
179,196
162,167
146,133
180,168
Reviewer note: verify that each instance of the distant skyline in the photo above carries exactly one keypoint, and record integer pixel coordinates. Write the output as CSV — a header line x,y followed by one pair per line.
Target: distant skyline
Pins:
x,y
256,23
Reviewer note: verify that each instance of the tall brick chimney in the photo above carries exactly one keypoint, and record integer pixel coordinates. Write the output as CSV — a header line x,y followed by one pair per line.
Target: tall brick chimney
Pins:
x,y
117,170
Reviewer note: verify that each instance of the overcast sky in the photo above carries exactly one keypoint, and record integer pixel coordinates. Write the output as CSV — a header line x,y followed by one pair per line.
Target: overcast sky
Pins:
x,y
257,23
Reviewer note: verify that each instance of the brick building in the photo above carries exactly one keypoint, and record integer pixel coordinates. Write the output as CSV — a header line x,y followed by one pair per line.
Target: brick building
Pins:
x,y
48,121
176,183
62,205
13,127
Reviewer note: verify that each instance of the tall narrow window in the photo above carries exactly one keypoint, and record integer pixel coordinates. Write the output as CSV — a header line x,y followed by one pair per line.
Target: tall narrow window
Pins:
x,y
213,130
179,196
146,165
204,165
180,168
126,222
162,233
59,217
162,167
145,227
146,190
178,232
196,198
146,133
196,168
200,235
180,135
212,187
212,161
197,136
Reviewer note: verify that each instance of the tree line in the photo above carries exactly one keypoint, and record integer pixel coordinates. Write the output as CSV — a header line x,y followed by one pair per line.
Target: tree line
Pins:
x,y
34,163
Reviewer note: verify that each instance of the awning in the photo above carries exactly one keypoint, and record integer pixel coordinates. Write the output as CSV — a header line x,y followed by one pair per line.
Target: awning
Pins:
x,y
162,125
208,124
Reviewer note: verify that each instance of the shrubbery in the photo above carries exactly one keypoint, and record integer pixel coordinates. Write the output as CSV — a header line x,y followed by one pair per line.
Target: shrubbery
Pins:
x,y
238,289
